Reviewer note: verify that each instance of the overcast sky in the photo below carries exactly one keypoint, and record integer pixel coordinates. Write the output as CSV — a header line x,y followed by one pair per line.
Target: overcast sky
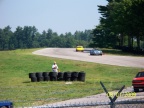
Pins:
x,y
59,15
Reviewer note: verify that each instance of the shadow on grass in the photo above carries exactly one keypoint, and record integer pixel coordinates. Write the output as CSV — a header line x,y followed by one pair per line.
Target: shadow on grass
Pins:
x,y
27,82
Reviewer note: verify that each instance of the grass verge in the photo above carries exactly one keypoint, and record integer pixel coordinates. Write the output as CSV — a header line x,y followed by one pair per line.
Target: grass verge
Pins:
x,y
16,86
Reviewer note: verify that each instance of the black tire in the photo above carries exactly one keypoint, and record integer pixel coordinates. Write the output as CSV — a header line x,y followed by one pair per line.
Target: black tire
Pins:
x,y
60,76
74,78
33,79
67,79
39,74
136,90
81,76
53,76
74,74
40,79
32,75
45,74
47,78
67,76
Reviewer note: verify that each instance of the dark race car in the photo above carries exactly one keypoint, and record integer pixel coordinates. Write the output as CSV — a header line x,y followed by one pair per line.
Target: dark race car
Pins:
x,y
96,52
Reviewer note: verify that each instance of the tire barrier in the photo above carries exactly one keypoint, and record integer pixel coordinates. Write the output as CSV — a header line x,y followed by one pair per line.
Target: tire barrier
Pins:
x,y
39,76
53,76
40,79
33,79
74,76
46,76
67,76
81,76
32,75
60,76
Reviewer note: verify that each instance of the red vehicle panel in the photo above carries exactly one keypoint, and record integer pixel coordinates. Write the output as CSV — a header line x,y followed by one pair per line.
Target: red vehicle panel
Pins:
x,y
138,81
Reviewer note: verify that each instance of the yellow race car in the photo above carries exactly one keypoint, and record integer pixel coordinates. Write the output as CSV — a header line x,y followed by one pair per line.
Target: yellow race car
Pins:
x,y
79,48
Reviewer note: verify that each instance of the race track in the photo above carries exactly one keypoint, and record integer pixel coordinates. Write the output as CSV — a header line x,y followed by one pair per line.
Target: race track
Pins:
x,y
70,53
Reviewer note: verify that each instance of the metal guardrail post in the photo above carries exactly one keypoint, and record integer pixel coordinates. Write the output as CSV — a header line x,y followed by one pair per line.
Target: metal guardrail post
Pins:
x,y
112,103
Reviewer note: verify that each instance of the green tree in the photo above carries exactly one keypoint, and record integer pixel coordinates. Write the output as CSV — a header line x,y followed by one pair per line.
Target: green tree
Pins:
x,y
6,34
19,37
43,39
121,22
1,39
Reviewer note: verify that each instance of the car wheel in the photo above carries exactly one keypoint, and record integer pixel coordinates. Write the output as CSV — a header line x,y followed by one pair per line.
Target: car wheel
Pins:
x,y
4,107
136,90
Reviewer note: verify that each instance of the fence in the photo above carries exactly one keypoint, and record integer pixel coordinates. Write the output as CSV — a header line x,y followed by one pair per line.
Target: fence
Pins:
x,y
134,103
139,103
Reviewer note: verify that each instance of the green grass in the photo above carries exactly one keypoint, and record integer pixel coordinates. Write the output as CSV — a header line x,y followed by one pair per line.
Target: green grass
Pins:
x,y
16,86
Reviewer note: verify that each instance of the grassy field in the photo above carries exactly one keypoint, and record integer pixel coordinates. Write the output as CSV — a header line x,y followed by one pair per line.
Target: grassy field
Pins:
x,y
16,86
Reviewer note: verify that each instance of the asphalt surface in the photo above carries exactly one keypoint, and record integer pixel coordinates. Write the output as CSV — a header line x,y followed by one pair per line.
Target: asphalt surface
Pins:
x,y
70,53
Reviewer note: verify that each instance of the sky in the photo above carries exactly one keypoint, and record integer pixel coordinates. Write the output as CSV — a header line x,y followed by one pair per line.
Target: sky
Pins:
x,y
59,15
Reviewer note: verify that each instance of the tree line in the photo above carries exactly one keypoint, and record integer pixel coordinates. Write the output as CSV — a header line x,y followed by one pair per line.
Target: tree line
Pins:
x,y
121,25
29,37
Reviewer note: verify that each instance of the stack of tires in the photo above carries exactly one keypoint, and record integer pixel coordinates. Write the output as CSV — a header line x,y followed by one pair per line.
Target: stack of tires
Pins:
x,y
81,76
33,77
60,76
67,76
39,76
53,76
74,76
46,76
